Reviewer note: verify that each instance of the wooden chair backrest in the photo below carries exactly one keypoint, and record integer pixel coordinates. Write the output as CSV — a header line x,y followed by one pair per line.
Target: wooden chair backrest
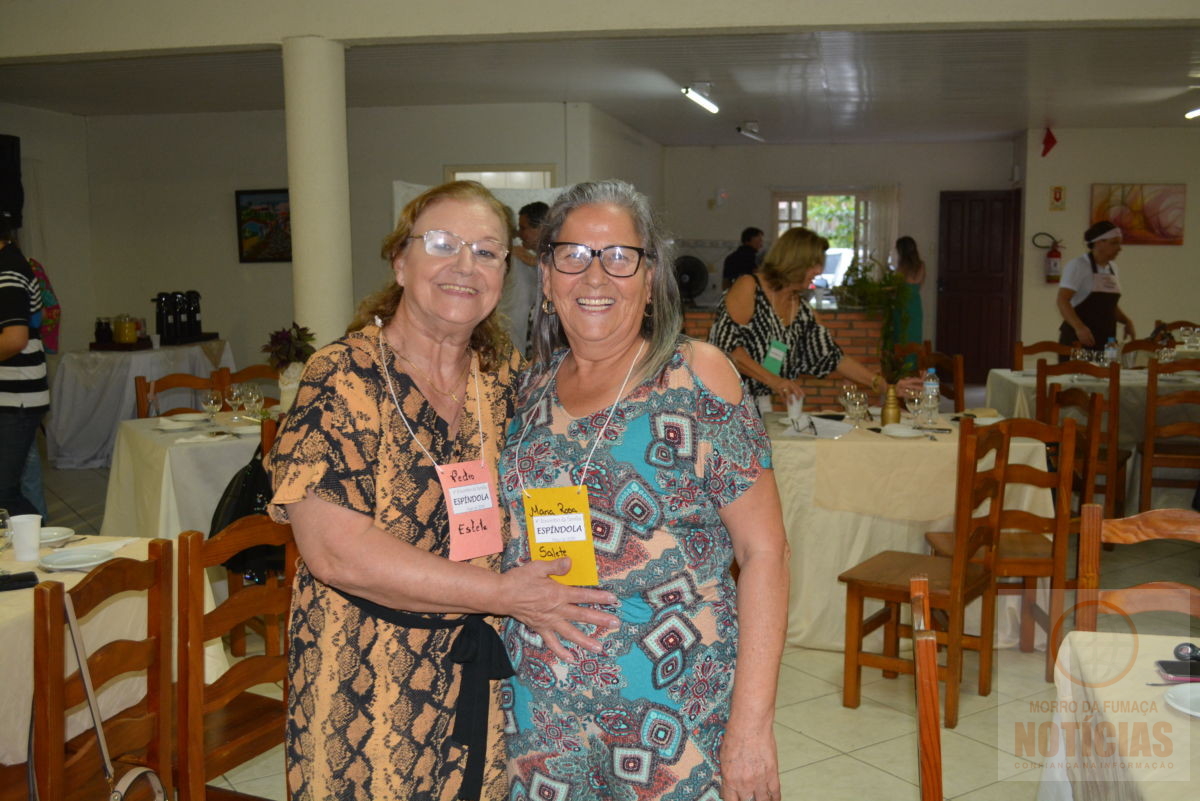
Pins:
x,y
1165,420
1138,346
1021,350
144,727
929,725
1089,407
1155,596
142,387
1168,327
1111,428
270,600
976,532
950,372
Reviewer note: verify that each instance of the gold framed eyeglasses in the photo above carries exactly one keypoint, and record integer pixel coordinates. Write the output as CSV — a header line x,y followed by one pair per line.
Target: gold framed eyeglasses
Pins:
x,y
443,244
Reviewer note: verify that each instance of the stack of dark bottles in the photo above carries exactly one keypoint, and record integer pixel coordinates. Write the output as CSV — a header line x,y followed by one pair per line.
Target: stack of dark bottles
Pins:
x,y
177,318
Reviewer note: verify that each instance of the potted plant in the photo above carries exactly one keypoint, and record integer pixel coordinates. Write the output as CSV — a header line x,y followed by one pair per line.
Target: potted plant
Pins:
x,y
287,350
868,285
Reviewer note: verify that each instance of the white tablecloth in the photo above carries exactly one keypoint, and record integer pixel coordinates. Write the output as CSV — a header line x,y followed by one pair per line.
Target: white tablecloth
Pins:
x,y
159,487
914,477
1095,691
93,391
120,618
1012,394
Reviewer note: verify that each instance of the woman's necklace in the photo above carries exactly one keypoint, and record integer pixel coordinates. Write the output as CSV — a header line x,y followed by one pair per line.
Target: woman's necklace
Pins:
x,y
451,395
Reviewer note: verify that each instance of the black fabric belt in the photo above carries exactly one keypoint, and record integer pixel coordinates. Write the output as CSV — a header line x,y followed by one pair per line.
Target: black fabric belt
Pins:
x,y
480,651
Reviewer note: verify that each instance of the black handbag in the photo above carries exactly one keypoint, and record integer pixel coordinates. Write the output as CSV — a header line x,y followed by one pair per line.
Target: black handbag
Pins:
x,y
248,493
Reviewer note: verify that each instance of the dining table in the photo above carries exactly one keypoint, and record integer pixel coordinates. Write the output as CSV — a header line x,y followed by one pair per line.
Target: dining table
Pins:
x,y
92,391
1120,731
847,499
1013,394
166,481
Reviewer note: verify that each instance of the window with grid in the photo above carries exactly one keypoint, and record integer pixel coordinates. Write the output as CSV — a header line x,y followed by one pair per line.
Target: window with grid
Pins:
x,y
860,224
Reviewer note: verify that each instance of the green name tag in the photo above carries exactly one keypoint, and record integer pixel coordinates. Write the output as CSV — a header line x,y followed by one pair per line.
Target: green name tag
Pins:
x,y
776,353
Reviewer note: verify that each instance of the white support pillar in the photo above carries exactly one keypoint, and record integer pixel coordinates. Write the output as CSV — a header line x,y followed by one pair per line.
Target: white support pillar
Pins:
x,y
314,81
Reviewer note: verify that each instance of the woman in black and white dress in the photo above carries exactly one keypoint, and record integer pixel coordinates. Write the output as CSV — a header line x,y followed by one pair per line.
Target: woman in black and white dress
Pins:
x,y
770,333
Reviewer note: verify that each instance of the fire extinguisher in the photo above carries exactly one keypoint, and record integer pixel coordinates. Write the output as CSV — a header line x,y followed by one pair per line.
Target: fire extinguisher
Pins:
x,y
1053,256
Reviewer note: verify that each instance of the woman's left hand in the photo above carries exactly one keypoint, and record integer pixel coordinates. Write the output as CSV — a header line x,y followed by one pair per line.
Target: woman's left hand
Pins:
x,y
749,763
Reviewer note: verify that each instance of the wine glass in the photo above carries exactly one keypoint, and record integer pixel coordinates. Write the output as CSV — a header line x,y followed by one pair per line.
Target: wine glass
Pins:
x,y
856,408
912,401
233,395
211,402
252,399
849,389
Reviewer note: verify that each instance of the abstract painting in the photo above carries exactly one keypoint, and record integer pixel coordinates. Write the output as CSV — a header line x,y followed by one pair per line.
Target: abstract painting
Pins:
x,y
1147,214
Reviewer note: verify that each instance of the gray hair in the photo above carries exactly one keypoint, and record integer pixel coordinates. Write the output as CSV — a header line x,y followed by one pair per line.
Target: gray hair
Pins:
x,y
662,327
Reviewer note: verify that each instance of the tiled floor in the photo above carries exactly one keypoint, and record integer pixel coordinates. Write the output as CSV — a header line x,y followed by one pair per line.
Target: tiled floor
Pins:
x,y
826,751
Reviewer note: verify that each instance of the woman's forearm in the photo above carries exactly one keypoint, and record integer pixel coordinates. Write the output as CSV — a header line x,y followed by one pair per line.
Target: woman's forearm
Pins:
x,y
751,369
762,622
855,370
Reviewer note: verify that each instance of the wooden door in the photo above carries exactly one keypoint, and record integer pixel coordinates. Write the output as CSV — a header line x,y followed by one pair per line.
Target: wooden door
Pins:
x,y
978,280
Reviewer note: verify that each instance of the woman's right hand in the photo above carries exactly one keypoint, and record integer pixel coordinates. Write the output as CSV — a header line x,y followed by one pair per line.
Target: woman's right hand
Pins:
x,y
1085,336
551,609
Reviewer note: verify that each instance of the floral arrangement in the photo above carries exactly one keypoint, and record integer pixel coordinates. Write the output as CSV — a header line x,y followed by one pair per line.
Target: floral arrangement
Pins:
x,y
289,346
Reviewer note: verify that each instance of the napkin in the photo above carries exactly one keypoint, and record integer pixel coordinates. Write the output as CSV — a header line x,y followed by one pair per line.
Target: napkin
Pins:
x,y
112,546
213,437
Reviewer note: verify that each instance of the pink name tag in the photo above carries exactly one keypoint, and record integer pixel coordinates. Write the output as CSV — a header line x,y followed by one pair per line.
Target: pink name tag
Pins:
x,y
470,497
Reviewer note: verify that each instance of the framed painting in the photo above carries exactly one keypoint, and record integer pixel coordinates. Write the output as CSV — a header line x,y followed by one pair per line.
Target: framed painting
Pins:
x,y
264,225
1147,214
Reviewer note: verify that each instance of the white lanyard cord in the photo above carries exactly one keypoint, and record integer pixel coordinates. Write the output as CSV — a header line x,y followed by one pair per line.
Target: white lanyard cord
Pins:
x,y
387,374
599,434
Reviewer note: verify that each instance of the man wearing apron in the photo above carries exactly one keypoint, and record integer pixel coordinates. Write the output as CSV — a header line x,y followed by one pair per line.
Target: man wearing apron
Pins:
x,y
1090,290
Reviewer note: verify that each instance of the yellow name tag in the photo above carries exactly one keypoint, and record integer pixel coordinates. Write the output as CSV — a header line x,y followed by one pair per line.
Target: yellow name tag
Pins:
x,y
558,521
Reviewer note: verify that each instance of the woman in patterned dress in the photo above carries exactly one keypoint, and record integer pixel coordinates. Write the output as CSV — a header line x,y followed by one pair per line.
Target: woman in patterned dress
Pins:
x,y
768,307
680,702
392,656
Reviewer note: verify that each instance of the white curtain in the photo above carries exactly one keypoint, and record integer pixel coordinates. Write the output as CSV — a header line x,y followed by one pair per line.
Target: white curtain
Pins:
x,y
883,225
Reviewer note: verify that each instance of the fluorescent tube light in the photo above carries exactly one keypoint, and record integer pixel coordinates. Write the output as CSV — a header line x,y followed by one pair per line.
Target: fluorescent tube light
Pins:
x,y
693,94
1193,114
749,129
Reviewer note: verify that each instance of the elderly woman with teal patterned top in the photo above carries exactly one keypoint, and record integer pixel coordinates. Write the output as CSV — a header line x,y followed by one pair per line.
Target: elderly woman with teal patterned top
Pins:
x,y
635,451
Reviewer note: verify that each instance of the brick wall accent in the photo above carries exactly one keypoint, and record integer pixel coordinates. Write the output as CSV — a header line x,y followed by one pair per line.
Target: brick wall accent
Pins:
x,y
858,333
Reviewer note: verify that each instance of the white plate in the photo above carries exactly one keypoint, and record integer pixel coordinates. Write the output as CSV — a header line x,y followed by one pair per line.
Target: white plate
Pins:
x,y
52,534
74,559
901,431
171,424
986,421
194,417
1185,698
247,431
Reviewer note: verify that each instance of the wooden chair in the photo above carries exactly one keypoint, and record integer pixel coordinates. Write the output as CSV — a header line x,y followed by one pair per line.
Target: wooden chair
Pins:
x,y
1113,460
221,725
1088,411
1131,353
258,373
1031,546
1155,596
929,725
950,373
138,735
1159,325
953,582
1171,429
143,387
904,351
1021,350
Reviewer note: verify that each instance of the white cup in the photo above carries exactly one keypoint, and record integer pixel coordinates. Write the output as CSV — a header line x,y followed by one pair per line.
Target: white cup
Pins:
x,y
26,537
795,407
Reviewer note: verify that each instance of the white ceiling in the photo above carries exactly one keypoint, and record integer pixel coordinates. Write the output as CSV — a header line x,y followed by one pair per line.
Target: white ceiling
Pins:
x,y
821,86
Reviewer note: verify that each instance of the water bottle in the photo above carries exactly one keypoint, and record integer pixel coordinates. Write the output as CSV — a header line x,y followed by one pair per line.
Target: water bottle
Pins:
x,y
932,395
1111,352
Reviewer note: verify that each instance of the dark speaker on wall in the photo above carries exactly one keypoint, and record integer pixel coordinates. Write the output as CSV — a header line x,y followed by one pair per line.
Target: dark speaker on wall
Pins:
x,y
12,196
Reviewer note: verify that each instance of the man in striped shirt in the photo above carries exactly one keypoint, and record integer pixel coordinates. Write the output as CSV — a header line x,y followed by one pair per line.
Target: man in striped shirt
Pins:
x,y
24,393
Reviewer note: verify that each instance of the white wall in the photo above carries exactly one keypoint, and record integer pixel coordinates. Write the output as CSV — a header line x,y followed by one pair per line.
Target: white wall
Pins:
x,y
618,151
1157,281
748,174
57,225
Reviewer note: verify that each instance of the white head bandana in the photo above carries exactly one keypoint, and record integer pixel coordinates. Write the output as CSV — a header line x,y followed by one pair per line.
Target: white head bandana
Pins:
x,y
1114,233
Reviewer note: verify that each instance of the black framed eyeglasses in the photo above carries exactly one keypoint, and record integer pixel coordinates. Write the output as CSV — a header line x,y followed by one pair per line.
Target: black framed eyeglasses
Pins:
x,y
619,261
487,252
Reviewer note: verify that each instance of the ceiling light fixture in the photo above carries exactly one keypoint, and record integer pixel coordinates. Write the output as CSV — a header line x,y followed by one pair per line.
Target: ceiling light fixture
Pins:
x,y
1193,114
698,94
749,129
